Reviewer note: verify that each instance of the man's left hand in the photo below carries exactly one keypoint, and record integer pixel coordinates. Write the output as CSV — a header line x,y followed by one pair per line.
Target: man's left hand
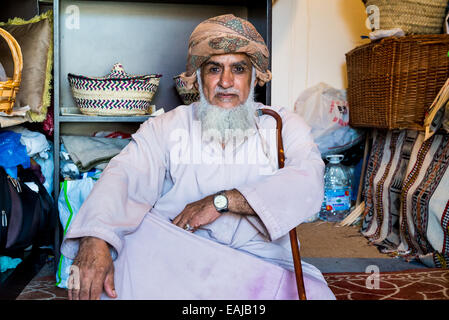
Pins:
x,y
197,214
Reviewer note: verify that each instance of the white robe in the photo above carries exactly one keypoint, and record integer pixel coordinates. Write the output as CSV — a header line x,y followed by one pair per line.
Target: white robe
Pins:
x,y
168,165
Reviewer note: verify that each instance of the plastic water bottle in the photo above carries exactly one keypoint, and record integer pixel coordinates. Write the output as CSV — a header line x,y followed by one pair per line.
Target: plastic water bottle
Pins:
x,y
337,191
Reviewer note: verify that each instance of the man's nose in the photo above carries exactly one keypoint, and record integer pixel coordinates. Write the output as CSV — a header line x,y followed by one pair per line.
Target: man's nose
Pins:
x,y
226,79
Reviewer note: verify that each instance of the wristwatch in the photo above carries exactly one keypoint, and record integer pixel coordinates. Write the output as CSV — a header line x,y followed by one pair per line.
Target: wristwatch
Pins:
x,y
221,202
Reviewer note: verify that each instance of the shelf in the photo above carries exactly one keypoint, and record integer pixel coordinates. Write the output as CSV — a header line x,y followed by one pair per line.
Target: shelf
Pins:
x,y
86,118
147,37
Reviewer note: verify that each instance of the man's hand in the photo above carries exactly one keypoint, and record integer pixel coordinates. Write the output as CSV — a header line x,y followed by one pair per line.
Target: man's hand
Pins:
x,y
197,214
96,270
203,212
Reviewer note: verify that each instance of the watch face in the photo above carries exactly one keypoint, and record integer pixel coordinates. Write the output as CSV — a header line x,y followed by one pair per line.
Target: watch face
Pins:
x,y
220,201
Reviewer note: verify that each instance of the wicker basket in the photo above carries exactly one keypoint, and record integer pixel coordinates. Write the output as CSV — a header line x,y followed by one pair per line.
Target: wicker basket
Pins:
x,y
393,82
188,96
117,94
412,16
10,87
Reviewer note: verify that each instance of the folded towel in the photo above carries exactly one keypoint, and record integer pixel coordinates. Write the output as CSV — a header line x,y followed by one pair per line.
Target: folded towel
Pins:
x,y
87,152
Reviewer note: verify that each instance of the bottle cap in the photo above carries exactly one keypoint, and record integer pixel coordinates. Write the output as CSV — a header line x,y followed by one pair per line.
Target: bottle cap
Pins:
x,y
335,158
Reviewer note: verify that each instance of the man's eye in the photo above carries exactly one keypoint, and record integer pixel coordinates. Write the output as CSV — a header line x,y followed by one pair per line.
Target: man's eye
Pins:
x,y
239,69
214,69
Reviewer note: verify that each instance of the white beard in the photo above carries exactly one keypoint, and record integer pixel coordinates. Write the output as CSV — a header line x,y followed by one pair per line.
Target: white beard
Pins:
x,y
223,124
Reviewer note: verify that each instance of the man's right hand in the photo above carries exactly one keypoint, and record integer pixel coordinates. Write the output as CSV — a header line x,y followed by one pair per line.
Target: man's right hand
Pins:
x,y
96,270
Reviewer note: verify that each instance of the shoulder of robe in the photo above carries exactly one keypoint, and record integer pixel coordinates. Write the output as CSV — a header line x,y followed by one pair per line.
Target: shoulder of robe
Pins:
x,y
178,117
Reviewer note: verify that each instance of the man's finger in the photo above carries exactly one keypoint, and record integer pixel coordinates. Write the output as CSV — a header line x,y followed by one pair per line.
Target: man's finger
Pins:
x,y
177,219
85,284
97,287
182,223
84,293
181,220
75,294
109,286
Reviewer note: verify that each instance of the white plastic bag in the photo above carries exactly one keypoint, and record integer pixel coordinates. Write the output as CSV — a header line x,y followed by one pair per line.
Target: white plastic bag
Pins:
x,y
380,34
72,195
326,111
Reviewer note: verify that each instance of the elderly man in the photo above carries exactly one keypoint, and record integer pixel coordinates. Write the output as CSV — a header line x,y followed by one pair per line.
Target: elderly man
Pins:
x,y
195,206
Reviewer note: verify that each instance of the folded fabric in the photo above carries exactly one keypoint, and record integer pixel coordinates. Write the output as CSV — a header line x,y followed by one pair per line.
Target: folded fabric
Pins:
x,y
35,142
87,152
8,263
16,112
112,134
13,121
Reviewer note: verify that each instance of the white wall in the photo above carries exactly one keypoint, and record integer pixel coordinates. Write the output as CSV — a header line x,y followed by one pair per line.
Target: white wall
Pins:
x,y
310,39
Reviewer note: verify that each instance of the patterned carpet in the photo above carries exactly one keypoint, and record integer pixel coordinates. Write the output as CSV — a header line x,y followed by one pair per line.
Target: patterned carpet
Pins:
x,y
43,288
419,284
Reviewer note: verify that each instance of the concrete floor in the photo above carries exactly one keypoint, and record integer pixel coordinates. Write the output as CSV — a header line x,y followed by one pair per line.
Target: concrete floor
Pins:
x,y
332,248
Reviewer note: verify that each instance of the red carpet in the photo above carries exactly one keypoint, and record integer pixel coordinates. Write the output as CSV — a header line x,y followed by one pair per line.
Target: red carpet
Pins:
x,y
43,288
421,284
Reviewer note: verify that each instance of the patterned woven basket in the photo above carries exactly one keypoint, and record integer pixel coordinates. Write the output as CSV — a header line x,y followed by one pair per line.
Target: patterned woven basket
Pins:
x,y
412,16
393,82
10,87
188,96
117,94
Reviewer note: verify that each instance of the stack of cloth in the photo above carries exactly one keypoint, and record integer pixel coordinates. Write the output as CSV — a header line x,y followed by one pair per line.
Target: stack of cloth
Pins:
x,y
80,154
20,146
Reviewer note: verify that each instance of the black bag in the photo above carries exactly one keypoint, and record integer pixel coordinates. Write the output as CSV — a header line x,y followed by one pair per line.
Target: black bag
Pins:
x,y
27,217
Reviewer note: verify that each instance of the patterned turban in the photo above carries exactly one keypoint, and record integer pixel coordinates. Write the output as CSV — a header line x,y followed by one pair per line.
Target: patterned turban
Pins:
x,y
226,34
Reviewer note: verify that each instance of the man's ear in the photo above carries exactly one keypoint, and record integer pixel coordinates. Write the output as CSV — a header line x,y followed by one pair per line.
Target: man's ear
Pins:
x,y
196,85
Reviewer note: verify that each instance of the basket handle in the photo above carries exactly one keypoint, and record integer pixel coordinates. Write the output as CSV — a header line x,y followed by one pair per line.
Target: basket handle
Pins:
x,y
381,42
433,42
16,55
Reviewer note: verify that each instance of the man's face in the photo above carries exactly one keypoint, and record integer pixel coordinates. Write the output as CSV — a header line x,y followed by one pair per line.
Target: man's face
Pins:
x,y
226,79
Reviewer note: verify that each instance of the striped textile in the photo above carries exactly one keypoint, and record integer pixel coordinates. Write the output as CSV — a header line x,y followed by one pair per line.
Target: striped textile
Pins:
x,y
406,195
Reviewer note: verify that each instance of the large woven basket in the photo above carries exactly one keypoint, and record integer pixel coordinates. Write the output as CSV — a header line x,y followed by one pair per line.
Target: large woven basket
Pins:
x,y
393,82
117,94
10,87
412,16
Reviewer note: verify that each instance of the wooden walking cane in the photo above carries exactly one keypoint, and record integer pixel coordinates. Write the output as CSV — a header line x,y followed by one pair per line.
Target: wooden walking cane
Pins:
x,y
292,233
